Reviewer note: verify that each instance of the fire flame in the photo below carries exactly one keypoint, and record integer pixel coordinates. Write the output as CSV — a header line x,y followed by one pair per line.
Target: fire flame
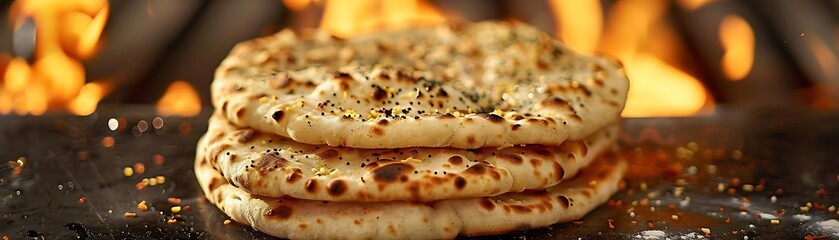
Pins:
x,y
67,31
827,61
345,18
89,96
297,5
657,88
579,35
738,42
180,99
694,4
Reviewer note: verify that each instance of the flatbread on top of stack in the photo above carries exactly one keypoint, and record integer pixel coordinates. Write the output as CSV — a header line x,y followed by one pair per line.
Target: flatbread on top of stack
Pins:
x,y
481,85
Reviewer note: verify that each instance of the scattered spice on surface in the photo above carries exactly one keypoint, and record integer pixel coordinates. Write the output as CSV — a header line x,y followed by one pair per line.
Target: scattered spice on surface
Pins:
x,y
158,159
130,214
142,184
142,206
139,168
128,171
737,155
804,209
108,141
748,187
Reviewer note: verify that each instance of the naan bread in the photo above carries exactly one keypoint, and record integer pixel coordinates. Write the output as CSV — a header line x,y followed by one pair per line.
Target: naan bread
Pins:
x,y
270,165
308,219
483,85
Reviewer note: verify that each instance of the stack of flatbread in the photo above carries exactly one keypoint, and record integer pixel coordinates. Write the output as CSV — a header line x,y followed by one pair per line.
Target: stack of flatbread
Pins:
x,y
429,132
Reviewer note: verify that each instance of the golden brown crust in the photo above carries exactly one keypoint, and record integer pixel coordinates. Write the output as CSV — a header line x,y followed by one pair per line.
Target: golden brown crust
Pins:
x,y
270,165
308,219
486,84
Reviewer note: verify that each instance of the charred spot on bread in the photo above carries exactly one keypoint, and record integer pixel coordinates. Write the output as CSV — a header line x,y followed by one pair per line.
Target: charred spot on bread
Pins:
x,y
378,93
391,172
512,158
492,117
563,201
311,185
245,135
328,154
486,203
459,182
294,176
277,115
336,187
456,160
281,212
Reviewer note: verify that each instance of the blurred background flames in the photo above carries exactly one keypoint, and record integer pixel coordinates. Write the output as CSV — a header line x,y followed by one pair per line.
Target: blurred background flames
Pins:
x,y
684,58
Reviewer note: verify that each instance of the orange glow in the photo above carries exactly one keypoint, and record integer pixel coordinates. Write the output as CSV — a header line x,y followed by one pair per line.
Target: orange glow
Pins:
x,y
296,5
402,13
667,45
628,26
579,35
658,86
5,102
90,37
345,18
36,100
694,4
88,98
824,56
819,97
180,99
738,43
17,74
63,75
659,89
72,26
66,31
343,24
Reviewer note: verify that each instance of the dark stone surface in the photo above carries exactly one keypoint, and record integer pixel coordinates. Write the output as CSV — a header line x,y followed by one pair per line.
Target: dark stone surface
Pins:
x,y
66,160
